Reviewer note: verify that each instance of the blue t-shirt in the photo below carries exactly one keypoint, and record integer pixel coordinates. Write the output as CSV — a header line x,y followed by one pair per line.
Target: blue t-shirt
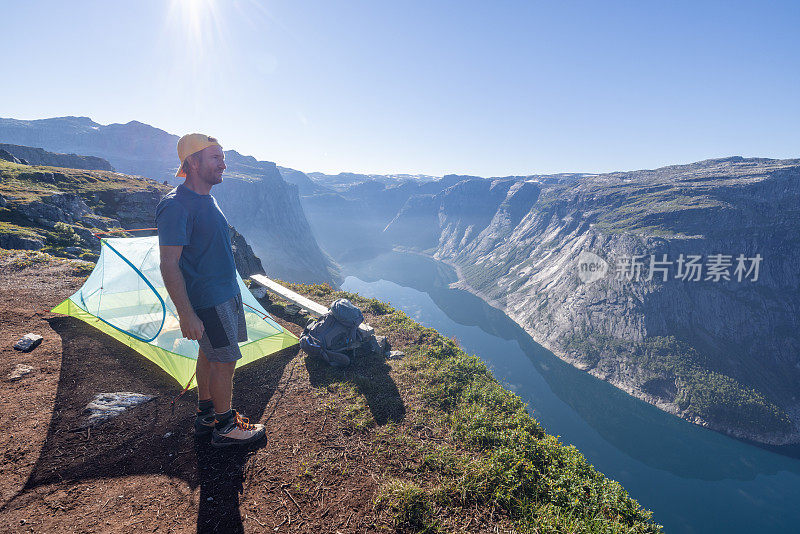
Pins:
x,y
195,221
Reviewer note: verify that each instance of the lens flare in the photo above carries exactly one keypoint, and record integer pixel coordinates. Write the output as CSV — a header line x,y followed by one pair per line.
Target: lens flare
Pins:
x,y
199,26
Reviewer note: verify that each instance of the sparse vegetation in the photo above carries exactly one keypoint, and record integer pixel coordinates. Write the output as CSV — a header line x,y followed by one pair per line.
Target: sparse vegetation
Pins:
x,y
27,183
705,393
25,258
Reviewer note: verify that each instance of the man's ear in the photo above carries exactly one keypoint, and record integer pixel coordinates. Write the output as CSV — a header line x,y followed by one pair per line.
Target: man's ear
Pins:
x,y
190,163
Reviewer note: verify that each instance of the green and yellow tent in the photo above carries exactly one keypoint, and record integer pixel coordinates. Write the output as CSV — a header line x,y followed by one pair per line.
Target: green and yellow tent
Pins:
x,y
125,297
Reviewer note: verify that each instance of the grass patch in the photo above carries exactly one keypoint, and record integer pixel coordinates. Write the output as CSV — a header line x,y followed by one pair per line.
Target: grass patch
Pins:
x,y
410,504
345,399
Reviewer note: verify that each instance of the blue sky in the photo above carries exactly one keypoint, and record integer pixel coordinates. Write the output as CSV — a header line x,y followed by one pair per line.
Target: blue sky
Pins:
x,y
486,88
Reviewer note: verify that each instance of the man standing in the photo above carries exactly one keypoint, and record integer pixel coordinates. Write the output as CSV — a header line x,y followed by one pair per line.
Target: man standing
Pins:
x,y
200,276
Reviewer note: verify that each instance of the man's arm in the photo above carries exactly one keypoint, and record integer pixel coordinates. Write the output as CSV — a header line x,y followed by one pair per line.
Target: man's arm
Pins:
x,y
191,325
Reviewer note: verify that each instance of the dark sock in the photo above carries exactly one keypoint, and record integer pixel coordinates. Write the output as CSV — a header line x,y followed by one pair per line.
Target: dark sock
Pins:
x,y
205,406
223,419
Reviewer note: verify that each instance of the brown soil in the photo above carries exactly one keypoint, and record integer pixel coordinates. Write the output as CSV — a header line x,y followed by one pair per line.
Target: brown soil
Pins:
x,y
144,471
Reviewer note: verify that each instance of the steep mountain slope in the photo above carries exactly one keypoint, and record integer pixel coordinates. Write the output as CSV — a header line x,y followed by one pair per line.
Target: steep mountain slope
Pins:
x,y
261,204
724,353
253,196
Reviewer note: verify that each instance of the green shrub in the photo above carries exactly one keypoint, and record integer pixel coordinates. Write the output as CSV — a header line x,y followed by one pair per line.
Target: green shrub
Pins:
x,y
63,235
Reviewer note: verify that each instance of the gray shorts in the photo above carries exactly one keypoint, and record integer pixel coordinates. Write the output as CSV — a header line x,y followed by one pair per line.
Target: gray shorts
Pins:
x,y
225,328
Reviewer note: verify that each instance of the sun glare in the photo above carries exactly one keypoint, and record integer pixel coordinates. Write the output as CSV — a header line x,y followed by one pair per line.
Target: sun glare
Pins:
x,y
198,22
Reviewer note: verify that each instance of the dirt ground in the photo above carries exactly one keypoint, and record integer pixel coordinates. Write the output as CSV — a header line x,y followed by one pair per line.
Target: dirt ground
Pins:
x,y
143,470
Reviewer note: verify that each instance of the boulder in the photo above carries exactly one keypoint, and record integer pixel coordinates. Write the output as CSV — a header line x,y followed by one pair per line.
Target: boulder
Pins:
x,y
259,292
395,355
87,237
43,213
28,342
70,203
19,371
18,242
378,345
97,221
365,331
104,406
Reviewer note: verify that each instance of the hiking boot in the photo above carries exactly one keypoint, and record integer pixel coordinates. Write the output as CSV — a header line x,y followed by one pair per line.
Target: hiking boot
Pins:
x,y
204,424
239,431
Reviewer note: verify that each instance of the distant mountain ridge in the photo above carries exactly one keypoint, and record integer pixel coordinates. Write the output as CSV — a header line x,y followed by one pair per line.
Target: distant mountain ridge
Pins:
x,y
343,180
134,148
254,196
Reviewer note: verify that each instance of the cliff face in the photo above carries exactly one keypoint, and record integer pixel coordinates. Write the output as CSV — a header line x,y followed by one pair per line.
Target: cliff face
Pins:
x,y
258,202
253,196
721,353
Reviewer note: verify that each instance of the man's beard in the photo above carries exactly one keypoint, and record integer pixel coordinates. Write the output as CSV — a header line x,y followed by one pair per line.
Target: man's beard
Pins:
x,y
213,178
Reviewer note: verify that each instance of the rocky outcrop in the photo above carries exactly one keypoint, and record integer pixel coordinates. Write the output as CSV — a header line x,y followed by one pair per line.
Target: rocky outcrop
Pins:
x,y
60,207
66,220
721,353
37,156
8,156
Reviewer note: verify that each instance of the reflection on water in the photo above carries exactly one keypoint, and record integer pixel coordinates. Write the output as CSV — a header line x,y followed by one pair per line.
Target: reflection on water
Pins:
x,y
694,479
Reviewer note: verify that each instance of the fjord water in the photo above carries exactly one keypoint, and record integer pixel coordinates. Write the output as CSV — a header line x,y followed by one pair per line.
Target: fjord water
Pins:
x,y
693,479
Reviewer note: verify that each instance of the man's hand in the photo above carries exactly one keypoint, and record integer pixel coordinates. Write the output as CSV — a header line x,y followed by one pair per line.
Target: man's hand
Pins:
x,y
192,327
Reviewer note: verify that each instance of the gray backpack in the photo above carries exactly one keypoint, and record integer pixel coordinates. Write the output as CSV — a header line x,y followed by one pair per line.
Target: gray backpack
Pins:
x,y
333,333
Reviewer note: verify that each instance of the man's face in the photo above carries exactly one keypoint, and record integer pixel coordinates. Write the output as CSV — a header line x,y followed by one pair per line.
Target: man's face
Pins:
x,y
210,164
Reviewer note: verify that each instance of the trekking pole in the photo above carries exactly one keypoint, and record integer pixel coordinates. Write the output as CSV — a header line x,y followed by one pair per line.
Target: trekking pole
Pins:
x,y
172,404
